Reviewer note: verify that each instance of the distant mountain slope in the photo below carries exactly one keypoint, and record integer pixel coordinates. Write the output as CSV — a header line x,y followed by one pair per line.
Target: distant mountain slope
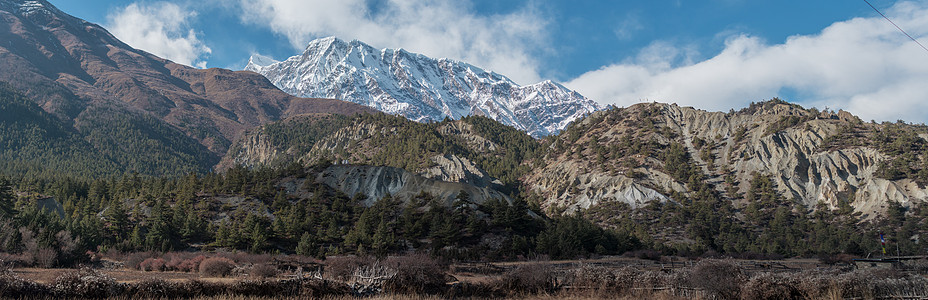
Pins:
x,y
636,155
422,88
475,150
771,178
32,141
649,152
80,73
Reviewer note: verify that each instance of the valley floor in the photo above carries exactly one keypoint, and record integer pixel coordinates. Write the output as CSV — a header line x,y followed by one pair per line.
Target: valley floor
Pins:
x,y
419,277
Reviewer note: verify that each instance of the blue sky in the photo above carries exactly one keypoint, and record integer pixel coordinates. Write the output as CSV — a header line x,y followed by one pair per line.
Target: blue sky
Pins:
x,y
711,54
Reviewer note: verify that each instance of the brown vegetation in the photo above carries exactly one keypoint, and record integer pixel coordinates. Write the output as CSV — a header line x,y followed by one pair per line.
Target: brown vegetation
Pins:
x,y
217,267
422,277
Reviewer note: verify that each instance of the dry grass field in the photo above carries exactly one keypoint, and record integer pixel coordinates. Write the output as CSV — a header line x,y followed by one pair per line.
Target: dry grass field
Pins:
x,y
421,277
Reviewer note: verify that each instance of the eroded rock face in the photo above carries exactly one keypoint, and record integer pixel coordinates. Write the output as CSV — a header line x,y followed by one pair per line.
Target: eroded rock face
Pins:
x,y
796,157
252,150
377,182
452,168
573,188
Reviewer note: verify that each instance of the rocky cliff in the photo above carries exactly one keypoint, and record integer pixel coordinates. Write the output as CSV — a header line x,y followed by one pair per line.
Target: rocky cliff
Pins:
x,y
376,182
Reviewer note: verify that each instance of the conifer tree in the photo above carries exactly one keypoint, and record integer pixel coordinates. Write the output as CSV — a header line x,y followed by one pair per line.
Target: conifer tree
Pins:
x,y
307,245
6,199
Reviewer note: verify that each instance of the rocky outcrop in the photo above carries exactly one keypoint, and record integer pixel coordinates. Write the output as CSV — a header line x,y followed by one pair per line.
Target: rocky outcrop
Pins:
x,y
453,168
253,150
775,139
377,182
573,188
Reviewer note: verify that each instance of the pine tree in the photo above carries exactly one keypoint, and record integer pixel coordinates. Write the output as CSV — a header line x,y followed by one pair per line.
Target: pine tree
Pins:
x,y
136,241
117,220
161,234
6,199
307,245
383,239
258,238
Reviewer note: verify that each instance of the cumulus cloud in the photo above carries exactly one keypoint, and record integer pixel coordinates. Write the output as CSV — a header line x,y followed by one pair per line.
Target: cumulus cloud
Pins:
x,y
502,43
863,65
160,28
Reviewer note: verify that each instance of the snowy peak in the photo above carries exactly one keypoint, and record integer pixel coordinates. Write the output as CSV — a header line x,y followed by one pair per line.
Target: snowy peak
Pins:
x,y
258,61
421,88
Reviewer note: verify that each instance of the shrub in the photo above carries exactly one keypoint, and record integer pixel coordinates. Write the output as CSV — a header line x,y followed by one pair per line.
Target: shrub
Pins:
x,y
415,274
46,257
216,266
192,264
13,287
720,278
342,267
528,279
602,278
154,287
86,283
197,288
152,264
263,271
134,260
322,288
771,286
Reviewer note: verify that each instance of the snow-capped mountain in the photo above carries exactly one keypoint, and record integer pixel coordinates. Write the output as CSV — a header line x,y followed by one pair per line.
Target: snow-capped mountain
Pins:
x,y
421,88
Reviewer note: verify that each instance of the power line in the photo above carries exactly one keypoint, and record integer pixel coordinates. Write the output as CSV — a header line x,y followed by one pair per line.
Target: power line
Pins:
x,y
894,24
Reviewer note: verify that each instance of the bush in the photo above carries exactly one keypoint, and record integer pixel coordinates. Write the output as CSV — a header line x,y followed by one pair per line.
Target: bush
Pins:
x,y
134,260
46,257
415,274
154,287
216,267
265,288
528,279
771,286
719,278
602,278
190,264
153,264
323,288
86,283
342,267
263,271
12,286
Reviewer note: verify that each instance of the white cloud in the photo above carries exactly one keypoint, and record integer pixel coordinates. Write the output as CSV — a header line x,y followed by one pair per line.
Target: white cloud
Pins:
x,y
502,43
161,29
863,65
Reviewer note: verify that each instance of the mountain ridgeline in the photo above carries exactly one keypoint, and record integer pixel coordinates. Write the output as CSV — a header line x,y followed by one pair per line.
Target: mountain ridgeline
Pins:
x,y
422,88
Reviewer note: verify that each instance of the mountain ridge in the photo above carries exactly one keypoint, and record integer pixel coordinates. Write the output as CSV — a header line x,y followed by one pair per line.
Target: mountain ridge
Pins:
x,y
421,88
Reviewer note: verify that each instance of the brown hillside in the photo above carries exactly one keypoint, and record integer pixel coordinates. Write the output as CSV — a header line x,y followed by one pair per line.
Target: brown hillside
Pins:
x,y
68,65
